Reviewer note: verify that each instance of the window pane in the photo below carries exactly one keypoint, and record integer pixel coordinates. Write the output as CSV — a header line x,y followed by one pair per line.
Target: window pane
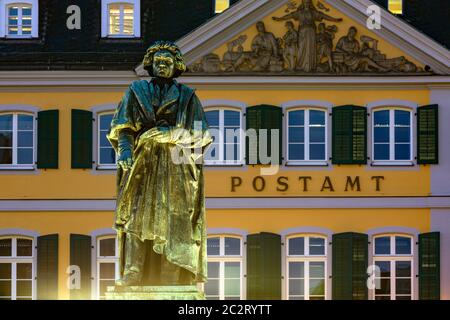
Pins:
x,y
213,246
24,288
25,156
232,270
212,288
5,288
25,139
26,11
383,245
212,117
402,151
213,269
381,117
6,139
385,287
104,142
232,287
402,245
317,270
402,118
297,151
381,134
385,268
5,271
232,246
107,156
231,152
221,5
317,287
296,269
108,247
296,134
403,286
25,122
128,19
317,152
317,134
13,21
316,117
297,117
403,269
13,11
395,6
297,287
24,271
232,118
297,246
402,134
5,156
105,121
212,153
316,246
232,135
5,247
24,247
381,152
114,19
107,271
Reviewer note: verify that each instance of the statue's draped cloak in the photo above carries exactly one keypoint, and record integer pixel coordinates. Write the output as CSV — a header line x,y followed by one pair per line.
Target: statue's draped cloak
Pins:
x,y
158,199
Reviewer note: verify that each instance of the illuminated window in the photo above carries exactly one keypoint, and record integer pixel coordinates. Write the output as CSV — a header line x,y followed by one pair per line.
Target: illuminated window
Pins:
x,y
393,255
107,264
395,6
105,152
17,140
17,266
121,18
225,270
21,19
221,5
306,268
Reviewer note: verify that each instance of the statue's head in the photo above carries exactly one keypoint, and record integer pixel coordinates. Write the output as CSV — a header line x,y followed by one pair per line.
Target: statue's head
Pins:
x,y
260,27
164,60
289,25
352,33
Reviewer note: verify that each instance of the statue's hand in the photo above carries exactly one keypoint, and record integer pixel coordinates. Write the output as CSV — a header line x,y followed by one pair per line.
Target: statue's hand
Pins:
x,y
126,159
163,135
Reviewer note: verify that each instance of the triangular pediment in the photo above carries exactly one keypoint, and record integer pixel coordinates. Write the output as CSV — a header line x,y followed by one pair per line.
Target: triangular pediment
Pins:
x,y
331,37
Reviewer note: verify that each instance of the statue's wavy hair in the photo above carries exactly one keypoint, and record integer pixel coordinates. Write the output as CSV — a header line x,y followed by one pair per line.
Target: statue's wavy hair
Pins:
x,y
169,46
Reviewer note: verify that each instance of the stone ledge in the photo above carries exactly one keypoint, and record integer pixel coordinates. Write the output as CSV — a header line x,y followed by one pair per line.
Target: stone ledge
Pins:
x,y
154,293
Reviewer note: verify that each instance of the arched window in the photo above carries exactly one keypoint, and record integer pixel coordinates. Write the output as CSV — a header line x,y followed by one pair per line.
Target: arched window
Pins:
x,y
106,155
107,264
393,255
392,135
21,18
221,5
17,268
306,135
225,268
306,267
395,6
17,140
225,126
121,18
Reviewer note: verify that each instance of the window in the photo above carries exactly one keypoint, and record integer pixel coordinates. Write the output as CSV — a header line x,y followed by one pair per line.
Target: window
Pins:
x,y
17,268
21,19
393,255
121,18
307,136
221,5
225,127
17,140
306,268
225,274
107,264
106,154
392,135
395,6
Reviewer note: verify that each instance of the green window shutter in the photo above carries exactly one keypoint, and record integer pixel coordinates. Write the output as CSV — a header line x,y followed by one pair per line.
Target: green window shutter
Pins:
x,y
81,139
263,117
264,266
350,262
48,137
47,267
429,266
80,255
428,135
349,142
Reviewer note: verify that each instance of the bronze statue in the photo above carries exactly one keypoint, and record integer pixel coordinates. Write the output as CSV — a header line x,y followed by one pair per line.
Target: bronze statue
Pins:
x,y
160,214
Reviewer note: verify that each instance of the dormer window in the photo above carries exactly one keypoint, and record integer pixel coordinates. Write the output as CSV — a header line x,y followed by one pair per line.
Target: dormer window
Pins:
x,y
395,6
121,18
20,19
221,5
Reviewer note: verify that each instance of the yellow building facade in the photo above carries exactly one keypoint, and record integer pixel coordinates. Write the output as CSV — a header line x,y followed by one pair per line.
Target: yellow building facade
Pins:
x,y
299,206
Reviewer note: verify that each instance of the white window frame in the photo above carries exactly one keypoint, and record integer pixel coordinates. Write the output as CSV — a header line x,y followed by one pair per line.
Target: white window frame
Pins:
x,y
306,258
4,4
392,160
307,161
15,165
222,162
218,11
14,260
136,19
222,258
96,145
392,258
104,259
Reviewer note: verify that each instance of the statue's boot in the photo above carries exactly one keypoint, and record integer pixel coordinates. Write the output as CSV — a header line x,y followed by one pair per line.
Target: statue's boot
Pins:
x,y
134,262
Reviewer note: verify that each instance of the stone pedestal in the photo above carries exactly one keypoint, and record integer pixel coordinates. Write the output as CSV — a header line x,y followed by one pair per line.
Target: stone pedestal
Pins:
x,y
154,293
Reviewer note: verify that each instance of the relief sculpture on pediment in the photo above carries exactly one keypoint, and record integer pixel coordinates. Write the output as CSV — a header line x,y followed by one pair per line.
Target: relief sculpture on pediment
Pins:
x,y
309,45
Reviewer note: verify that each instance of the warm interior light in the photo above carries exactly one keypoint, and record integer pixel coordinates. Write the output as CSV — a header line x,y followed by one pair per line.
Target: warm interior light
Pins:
x,y
221,5
395,6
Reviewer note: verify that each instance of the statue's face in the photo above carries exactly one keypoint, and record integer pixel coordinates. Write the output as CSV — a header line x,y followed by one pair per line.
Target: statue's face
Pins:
x,y
163,64
351,34
260,27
